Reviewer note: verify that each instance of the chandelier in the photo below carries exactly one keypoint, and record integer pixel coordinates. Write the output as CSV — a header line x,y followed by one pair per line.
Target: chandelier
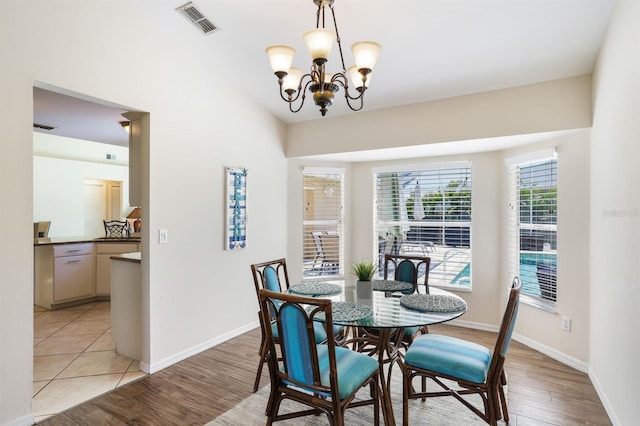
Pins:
x,y
321,83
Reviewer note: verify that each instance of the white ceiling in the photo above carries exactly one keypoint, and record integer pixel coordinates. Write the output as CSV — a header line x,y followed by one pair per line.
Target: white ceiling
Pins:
x,y
432,49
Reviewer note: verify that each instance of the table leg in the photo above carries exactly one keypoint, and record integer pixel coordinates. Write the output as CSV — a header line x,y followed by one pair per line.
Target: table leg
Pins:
x,y
388,353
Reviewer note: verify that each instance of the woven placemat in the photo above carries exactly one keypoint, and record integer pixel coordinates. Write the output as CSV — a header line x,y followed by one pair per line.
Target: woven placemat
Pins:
x,y
316,288
390,285
347,311
433,303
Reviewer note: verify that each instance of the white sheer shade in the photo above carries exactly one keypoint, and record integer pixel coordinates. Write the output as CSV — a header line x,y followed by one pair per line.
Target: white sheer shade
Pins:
x,y
292,79
280,57
366,54
319,42
356,77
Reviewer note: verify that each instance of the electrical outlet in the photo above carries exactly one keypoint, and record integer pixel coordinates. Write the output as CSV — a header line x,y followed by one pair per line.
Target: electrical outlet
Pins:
x,y
163,236
566,323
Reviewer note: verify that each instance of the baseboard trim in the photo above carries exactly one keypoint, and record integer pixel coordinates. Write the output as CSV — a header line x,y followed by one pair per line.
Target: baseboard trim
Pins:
x,y
533,344
22,421
166,362
603,398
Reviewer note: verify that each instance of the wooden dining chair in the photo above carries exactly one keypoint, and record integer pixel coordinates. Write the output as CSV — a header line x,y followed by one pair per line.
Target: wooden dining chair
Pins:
x,y
474,368
408,268
115,228
272,275
323,377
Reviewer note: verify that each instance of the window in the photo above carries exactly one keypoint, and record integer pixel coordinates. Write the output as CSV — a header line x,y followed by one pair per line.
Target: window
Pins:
x,y
322,224
427,211
533,214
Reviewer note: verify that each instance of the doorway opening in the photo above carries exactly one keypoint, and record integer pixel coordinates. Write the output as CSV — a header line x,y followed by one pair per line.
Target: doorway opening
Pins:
x,y
79,212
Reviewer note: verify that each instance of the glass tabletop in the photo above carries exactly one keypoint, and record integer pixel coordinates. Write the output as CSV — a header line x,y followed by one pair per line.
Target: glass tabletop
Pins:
x,y
387,311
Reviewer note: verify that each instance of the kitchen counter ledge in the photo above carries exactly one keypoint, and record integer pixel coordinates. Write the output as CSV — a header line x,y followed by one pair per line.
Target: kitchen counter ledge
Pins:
x,y
128,257
76,240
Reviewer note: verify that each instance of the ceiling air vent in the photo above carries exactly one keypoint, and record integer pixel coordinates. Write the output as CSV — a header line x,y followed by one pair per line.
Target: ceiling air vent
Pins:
x,y
201,22
42,126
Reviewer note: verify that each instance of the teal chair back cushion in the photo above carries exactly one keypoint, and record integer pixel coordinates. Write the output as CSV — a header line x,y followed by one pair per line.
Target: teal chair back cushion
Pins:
x,y
406,271
271,279
295,340
507,339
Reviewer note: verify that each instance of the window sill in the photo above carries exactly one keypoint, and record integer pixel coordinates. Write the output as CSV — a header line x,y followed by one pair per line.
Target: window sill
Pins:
x,y
539,304
461,289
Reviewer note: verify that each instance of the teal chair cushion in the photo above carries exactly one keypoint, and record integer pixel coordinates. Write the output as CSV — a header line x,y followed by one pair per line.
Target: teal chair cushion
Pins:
x,y
353,368
321,334
450,356
410,331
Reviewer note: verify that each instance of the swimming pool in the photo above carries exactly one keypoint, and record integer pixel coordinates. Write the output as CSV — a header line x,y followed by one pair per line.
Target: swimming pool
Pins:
x,y
528,269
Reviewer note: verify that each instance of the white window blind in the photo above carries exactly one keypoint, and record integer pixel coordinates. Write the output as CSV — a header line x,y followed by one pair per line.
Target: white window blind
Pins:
x,y
322,225
533,224
427,211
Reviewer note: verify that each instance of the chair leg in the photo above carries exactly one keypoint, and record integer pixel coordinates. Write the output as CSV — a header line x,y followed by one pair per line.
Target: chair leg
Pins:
x,y
256,384
263,359
503,399
406,384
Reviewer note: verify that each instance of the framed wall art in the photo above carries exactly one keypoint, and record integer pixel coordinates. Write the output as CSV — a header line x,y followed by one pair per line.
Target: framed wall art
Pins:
x,y
236,217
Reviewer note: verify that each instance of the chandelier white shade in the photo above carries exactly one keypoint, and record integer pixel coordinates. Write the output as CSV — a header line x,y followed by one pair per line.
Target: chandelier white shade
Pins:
x,y
291,80
321,83
366,54
319,42
281,57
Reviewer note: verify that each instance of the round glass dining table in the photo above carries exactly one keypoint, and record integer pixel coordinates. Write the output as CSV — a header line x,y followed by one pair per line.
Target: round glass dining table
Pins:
x,y
377,313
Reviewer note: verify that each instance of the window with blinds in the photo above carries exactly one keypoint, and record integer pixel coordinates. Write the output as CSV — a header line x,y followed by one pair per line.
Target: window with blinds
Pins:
x,y
533,223
426,211
322,225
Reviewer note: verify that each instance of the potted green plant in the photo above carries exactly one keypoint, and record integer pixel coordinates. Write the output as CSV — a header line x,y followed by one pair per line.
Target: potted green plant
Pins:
x,y
364,269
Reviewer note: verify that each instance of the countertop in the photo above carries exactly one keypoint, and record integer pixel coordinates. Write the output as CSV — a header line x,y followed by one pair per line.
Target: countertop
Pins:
x,y
127,257
76,240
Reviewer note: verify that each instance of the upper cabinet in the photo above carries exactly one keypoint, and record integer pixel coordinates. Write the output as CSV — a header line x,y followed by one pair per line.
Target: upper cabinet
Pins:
x,y
138,136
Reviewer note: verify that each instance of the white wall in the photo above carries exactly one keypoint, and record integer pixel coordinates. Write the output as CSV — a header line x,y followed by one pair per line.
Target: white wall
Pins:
x,y
199,293
542,107
615,218
536,327
58,183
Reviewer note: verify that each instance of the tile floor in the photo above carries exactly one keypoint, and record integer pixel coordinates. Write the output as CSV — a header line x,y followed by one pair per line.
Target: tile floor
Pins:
x,y
74,358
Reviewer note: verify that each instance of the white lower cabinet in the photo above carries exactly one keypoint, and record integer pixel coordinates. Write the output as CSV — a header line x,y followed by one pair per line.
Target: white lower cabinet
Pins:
x,y
104,251
63,273
70,273
73,278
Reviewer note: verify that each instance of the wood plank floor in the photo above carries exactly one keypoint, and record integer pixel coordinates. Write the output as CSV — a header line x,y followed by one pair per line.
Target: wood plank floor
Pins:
x,y
542,391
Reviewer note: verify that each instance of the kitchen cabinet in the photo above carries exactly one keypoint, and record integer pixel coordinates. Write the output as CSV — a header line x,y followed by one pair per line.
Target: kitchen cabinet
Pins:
x,y
138,136
63,273
104,251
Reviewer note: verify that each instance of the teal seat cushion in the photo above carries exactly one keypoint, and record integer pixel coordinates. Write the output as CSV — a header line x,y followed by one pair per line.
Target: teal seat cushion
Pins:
x,y
353,368
410,331
321,334
450,356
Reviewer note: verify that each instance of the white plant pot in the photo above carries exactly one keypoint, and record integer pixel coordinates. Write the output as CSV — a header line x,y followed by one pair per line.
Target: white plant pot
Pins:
x,y
364,290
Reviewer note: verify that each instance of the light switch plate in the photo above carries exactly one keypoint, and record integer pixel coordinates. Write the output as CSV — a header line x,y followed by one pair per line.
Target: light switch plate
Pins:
x,y
163,236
